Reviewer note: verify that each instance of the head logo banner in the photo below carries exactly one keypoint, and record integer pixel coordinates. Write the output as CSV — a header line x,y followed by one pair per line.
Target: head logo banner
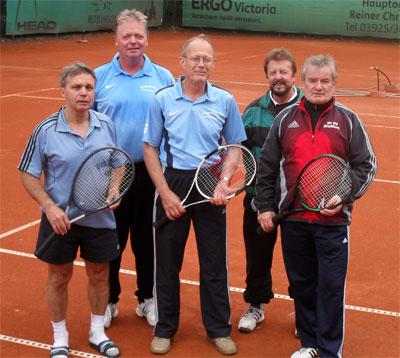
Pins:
x,y
25,17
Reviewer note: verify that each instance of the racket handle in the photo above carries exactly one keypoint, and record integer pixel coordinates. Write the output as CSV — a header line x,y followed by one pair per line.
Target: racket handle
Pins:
x,y
275,220
161,222
260,231
45,245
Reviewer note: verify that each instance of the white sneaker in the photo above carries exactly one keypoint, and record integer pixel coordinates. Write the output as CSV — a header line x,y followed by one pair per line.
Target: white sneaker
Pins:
x,y
305,353
250,318
110,313
147,309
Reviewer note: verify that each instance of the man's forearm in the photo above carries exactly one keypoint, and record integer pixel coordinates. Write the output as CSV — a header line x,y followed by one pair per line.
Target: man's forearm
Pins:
x,y
35,190
154,168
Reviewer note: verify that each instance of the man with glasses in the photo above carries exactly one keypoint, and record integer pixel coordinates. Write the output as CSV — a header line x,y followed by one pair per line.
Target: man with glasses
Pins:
x,y
185,122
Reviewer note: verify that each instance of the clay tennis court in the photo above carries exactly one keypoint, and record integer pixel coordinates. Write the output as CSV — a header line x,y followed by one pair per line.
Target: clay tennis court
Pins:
x,y
29,93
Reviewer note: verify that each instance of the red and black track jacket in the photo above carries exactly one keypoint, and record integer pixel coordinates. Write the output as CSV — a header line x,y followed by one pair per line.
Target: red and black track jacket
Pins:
x,y
292,142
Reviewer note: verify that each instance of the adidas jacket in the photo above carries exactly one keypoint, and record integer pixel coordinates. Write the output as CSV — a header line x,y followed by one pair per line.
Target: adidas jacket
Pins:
x,y
257,120
291,143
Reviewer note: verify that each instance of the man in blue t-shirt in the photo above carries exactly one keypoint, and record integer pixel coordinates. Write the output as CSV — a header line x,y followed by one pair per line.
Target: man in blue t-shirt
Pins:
x,y
55,151
125,87
185,122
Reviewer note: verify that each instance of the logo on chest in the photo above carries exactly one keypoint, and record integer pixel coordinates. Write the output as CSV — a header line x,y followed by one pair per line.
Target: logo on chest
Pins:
x,y
148,88
332,124
213,115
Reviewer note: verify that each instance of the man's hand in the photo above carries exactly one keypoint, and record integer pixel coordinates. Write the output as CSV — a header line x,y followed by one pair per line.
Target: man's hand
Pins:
x,y
221,192
265,220
58,219
172,205
332,202
112,195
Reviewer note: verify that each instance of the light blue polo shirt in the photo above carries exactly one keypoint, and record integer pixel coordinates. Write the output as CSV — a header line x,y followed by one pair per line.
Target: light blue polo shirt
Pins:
x,y
125,98
185,131
57,151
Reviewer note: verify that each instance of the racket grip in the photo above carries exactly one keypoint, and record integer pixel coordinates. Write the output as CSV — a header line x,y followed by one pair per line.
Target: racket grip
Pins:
x,y
275,220
161,222
45,245
260,231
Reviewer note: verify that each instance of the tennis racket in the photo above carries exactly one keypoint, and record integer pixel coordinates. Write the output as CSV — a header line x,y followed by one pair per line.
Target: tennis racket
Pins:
x,y
101,180
231,163
325,182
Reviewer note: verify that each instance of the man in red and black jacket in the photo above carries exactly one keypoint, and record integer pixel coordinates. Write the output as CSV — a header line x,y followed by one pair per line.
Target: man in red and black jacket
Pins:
x,y
315,244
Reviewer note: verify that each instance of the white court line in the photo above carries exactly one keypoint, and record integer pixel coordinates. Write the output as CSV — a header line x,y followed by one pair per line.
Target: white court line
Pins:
x,y
359,113
384,127
351,74
37,97
29,68
378,115
33,223
250,57
25,95
232,289
8,233
347,73
28,92
387,181
22,95
45,346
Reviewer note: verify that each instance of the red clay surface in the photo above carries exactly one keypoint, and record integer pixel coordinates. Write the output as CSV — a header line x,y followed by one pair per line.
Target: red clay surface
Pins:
x,y
29,93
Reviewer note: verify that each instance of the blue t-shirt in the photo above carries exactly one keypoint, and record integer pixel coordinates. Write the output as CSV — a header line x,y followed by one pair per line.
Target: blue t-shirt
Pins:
x,y
57,151
185,131
125,98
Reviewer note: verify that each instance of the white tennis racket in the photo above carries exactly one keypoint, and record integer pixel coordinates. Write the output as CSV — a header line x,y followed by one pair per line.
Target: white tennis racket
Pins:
x,y
231,163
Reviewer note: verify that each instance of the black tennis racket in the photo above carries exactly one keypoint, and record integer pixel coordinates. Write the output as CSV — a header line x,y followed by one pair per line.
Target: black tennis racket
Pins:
x,y
101,180
232,163
325,182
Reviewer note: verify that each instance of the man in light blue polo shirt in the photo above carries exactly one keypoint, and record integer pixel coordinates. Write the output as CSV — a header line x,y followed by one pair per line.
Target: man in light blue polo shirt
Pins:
x,y
185,122
125,87
55,149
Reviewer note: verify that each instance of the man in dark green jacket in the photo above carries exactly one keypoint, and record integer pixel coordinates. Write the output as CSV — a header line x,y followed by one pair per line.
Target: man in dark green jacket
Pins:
x,y
280,70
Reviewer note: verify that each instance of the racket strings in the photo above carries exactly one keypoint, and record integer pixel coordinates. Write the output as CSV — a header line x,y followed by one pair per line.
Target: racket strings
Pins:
x,y
234,163
102,180
323,180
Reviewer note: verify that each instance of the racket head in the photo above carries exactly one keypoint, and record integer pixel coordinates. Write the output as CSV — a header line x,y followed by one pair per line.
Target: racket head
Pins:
x,y
324,178
102,179
234,162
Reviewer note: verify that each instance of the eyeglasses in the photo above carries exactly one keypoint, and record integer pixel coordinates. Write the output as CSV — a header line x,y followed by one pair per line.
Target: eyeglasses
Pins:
x,y
196,60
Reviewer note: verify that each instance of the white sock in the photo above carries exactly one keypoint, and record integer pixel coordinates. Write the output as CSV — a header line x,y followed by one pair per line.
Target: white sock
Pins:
x,y
96,333
60,334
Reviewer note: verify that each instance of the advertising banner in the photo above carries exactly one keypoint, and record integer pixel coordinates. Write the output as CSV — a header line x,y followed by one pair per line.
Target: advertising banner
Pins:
x,y
26,17
359,18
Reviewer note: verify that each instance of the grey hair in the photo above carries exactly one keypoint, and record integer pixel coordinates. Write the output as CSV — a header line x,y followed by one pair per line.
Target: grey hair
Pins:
x,y
201,37
74,69
320,61
130,15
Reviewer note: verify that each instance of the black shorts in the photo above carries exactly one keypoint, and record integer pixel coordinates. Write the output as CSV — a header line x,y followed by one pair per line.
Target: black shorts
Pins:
x,y
96,245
